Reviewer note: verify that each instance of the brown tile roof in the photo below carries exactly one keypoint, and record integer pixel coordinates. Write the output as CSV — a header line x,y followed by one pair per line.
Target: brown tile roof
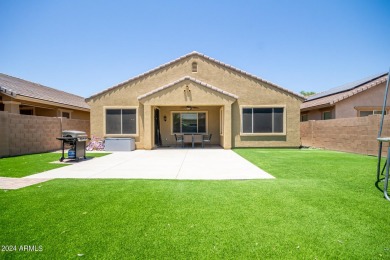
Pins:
x,y
194,53
190,79
15,87
332,96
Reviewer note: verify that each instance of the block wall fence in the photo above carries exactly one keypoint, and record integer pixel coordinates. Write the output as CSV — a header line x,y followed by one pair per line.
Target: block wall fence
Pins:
x,y
23,134
354,135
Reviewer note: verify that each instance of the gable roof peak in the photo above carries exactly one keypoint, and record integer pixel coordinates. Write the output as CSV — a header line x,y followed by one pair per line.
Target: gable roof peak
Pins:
x,y
193,53
192,80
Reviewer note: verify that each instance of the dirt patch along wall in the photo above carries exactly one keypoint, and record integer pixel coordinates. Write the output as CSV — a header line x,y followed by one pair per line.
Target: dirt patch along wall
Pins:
x,y
23,134
355,135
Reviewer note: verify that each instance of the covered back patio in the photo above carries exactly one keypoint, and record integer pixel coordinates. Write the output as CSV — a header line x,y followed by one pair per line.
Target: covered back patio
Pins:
x,y
181,126
186,110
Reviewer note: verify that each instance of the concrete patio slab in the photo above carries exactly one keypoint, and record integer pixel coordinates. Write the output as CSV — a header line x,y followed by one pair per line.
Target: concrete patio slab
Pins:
x,y
183,164
7,183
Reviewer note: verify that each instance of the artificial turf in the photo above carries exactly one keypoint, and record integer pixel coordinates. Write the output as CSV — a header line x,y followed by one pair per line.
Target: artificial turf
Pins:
x,y
322,205
21,166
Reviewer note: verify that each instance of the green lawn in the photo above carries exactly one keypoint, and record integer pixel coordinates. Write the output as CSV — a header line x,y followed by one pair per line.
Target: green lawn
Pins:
x,y
21,166
322,205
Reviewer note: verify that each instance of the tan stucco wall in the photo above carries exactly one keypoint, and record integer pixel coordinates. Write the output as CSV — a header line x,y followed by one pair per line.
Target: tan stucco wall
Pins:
x,y
43,109
372,98
45,112
316,114
249,91
82,115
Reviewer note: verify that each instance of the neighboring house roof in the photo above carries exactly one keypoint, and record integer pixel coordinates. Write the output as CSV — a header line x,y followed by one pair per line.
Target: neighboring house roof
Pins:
x,y
19,88
190,79
334,95
194,53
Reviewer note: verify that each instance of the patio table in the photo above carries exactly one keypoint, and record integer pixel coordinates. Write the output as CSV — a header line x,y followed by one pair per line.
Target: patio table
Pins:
x,y
193,138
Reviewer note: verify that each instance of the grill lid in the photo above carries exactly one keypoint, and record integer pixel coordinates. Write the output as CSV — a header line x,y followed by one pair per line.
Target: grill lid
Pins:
x,y
74,134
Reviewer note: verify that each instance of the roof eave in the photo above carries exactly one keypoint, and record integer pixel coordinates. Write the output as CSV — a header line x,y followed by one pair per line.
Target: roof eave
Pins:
x,y
7,92
316,107
371,82
52,103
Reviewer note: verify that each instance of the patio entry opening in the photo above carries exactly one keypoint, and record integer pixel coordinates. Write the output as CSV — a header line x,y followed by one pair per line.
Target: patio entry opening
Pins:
x,y
187,126
157,133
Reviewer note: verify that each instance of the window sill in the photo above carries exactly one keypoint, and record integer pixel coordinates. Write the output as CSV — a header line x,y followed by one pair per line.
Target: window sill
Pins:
x,y
189,133
121,135
263,134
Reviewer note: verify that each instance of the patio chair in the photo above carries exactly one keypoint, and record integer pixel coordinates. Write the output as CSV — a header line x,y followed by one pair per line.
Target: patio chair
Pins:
x,y
206,139
197,139
179,140
188,139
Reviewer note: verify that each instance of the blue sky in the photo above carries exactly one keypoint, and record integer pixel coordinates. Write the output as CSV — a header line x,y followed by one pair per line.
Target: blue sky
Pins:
x,y
86,46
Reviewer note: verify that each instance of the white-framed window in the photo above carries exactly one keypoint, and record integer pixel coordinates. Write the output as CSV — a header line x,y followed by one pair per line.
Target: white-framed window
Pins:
x,y
189,122
326,115
65,113
221,121
370,112
263,120
121,121
304,117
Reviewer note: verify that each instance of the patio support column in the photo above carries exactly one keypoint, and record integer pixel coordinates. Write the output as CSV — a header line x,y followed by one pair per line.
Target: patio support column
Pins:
x,y
148,144
227,126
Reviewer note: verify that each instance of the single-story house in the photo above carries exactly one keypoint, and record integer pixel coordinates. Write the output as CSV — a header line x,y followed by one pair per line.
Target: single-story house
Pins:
x,y
28,98
356,99
196,94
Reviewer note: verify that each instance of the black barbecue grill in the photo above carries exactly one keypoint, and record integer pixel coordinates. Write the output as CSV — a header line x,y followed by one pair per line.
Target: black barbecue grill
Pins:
x,y
77,142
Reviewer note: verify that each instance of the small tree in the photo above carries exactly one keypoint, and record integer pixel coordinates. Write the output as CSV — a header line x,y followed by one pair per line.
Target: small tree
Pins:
x,y
307,93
